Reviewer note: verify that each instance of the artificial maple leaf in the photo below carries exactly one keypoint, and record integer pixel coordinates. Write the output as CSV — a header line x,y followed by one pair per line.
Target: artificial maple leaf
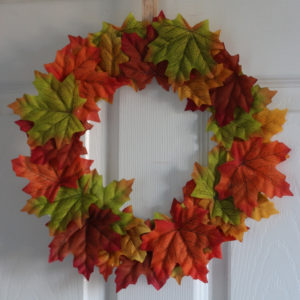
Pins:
x,y
231,221
205,203
177,274
227,211
236,91
71,204
107,261
62,157
109,42
206,177
45,180
130,25
184,47
86,242
81,59
271,122
97,85
137,69
24,125
113,196
130,270
131,242
78,54
262,97
182,241
161,16
197,88
190,105
265,208
89,111
230,230
159,216
52,111
253,170
242,127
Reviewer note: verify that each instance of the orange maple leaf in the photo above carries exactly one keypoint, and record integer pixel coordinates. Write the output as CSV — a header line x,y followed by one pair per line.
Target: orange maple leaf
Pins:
x,y
253,170
271,122
107,261
46,179
129,272
197,88
185,241
235,231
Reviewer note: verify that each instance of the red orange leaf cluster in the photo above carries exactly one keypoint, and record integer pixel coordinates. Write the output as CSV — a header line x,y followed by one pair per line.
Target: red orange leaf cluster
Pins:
x,y
86,242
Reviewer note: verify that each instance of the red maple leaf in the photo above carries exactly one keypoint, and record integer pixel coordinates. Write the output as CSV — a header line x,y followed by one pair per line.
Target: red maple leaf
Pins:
x,y
186,240
137,69
46,179
81,58
78,55
24,125
160,17
62,157
130,270
107,261
86,242
236,91
253,170
88,111
191,105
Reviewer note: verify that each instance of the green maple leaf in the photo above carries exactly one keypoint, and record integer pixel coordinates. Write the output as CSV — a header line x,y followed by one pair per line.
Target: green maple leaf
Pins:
x,y
52,111
130,25
114,196
71,204
227,211
207,177
241,127
184,47
261,98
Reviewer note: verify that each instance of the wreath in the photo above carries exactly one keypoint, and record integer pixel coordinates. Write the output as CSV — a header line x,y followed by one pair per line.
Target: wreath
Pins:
x,y
87,218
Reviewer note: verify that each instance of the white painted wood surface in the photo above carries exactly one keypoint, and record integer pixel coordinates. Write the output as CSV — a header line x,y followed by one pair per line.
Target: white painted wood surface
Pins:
x,y
152,139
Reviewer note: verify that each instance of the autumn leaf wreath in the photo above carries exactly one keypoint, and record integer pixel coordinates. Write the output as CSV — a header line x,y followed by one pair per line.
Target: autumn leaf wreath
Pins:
x,y
87,218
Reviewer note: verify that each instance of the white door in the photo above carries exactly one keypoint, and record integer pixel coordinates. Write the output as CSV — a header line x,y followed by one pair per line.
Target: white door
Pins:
x,y
152,139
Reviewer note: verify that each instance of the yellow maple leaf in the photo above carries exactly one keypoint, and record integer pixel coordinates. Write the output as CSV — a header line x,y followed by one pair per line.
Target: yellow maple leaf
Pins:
x,y
237,231
111,54
197,88
107,261
272,121
263,95
131,242
265,208
177,274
